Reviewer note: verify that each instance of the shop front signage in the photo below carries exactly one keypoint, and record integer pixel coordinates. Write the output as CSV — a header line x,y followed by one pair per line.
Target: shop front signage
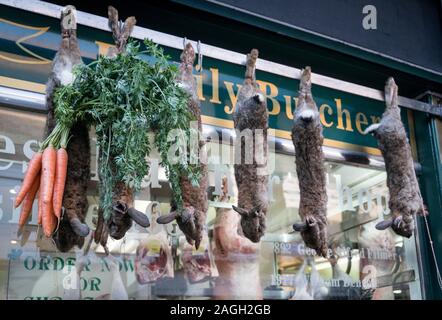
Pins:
x,y
39,276
29,43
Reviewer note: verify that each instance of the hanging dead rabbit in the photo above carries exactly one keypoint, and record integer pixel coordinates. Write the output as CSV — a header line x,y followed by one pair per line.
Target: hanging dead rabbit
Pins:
x,y
72,228
251,118
307,138
123,197
192,218
405,197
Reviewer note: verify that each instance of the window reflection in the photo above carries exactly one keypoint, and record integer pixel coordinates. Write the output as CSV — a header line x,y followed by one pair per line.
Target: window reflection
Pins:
x,y
156,263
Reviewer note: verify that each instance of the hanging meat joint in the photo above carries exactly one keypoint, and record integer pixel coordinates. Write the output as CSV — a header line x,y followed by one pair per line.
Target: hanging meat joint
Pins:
x,y
405,197
251,121
191,218
72,228
236,257
307,138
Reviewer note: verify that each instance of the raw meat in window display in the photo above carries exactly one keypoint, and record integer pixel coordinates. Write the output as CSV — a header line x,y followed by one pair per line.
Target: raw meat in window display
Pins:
x,y
342,285
379,259
317,284
198,263
236,257
307,139
309,288
405,196
153,259
191,218
251,164
300,284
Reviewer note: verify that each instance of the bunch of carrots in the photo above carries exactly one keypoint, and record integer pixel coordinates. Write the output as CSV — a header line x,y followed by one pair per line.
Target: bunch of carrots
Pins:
x,y
46,175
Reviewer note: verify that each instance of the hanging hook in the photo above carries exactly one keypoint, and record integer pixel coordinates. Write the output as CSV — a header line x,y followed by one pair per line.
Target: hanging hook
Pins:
x,y
184,42
200,58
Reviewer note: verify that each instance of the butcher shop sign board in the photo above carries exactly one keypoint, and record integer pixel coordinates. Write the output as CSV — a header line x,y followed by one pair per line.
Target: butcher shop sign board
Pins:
x,y
344,116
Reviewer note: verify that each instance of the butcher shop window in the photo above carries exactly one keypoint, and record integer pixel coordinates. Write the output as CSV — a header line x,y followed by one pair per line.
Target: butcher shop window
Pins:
x,y
157,263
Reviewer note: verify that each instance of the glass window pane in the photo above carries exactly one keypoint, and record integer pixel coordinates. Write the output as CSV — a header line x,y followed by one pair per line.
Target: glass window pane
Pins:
x,y
158,264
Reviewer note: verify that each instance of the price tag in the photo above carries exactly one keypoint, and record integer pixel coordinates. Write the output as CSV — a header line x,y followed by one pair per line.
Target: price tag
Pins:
x,y
201,250
154,247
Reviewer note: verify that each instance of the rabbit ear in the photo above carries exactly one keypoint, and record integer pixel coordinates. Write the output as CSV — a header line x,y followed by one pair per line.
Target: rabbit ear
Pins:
x,y
167,218
300,226
241,211
139,217
113,22
79,228
384,224
128,27
188,54
391,92
305,84
120,32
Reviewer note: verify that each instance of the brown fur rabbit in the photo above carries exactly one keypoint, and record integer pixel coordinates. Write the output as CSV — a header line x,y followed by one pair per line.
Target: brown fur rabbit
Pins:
x,y
123,198
72,228
307,139
251,115
192,219
405,197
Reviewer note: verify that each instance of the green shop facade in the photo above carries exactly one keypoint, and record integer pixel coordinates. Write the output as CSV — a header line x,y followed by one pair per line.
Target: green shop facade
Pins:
x,y
347,86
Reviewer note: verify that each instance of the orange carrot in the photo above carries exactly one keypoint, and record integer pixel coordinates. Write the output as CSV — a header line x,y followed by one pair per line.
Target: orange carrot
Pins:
x,y
28,202
49,162
40,204
49,220
33,170
60,180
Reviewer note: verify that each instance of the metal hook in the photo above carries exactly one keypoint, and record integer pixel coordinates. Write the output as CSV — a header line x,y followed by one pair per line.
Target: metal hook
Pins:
x,y
184,42
200,57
